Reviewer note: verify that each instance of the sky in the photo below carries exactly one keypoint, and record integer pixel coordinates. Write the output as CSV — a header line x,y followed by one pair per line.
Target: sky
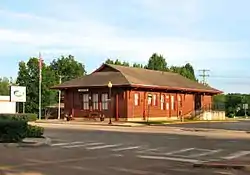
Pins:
x,y
209,34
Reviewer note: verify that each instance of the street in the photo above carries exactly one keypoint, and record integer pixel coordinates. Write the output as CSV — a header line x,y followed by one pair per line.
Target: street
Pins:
x,y
110,152
241,125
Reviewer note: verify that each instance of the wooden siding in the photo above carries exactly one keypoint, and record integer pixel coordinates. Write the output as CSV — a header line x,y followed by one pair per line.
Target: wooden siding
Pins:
x,y
123,103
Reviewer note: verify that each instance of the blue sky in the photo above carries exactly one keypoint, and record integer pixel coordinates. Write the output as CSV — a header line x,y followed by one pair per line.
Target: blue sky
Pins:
x,y
209,34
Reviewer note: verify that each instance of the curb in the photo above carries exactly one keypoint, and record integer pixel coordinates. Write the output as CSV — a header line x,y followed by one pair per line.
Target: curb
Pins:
x,y
221,166
45,142
195,130
93,124
202,121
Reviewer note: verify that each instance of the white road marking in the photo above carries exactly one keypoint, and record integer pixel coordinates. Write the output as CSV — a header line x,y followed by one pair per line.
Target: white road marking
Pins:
x,y
104,146
82,145
151,150
206,153
179,151
169,158
62,144
126,148
236,155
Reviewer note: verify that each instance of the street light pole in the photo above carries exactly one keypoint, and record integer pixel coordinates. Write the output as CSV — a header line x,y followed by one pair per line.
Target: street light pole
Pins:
x,y
110,86
59,99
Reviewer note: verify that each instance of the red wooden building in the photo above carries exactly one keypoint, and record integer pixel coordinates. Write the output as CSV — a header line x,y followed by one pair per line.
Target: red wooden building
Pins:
x,y
136,94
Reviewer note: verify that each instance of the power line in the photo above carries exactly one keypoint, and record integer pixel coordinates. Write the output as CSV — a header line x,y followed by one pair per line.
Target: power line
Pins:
x,y
204,75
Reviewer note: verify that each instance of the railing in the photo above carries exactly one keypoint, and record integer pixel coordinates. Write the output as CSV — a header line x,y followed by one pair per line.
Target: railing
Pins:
x,y
196,114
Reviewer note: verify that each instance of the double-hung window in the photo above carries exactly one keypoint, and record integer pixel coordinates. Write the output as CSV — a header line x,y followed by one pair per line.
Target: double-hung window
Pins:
x,y
95,101
85,101
104,101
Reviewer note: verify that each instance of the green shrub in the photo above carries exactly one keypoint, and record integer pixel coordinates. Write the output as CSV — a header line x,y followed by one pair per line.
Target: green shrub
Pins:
x,y
31,117
25,117
12,130
34,131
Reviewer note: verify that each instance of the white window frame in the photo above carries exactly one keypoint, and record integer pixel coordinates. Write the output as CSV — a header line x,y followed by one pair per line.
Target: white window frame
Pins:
x,y
154,99
136,99
85,98
162,102
104,99
95,100
172,103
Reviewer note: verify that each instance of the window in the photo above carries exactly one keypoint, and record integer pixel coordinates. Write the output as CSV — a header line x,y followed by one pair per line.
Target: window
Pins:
x,y
180,100
104,101
167,102
162,102
95,101
136,99
172,103
85,101
154,100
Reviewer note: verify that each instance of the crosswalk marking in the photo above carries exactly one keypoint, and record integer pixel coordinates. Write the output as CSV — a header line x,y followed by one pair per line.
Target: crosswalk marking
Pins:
x,y
237,155
68,143
82,145
206,153
126,148
144,151
179,151
104,146
169,158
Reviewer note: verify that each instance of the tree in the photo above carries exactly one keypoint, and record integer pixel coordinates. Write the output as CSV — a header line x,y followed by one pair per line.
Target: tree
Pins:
x,y
4,86
67,67
28,75
157,62
137,65
109,61
186,71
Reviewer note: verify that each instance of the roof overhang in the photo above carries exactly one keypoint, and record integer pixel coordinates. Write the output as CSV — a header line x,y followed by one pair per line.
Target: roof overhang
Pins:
x,y
215,91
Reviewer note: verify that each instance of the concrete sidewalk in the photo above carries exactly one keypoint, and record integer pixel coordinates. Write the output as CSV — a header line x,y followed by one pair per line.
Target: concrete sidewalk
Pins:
x,y
96,123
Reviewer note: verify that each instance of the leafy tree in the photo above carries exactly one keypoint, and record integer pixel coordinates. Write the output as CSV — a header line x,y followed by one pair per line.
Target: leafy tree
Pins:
x,y
109,61
4,86
137,65
67,67
124,63
117,62
28,75
157,62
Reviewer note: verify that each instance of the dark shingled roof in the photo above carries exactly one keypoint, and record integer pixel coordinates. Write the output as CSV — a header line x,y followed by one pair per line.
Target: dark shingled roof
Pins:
x,y
137,77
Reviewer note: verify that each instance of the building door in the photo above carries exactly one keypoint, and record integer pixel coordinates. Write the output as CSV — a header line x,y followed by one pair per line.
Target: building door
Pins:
x,y
197,101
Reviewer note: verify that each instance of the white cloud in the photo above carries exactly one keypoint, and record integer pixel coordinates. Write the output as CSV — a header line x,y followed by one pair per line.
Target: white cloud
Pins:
x,y
86,35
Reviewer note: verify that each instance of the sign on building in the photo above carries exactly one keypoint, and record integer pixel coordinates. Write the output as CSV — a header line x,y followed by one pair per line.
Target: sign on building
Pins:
x,y
18,94
245,106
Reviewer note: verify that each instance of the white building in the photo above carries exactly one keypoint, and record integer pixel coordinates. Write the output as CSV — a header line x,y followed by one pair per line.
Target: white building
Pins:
x,y
7,107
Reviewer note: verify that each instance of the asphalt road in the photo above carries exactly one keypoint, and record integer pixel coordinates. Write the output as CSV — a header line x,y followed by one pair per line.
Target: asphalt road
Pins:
x,y
111,153
243,125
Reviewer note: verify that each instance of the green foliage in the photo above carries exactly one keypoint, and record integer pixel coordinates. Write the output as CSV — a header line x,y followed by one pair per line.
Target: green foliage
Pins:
x,y
24,117
12,130
117,62
157,62
28,75
233,103
34,131
4,86
67,67
137,65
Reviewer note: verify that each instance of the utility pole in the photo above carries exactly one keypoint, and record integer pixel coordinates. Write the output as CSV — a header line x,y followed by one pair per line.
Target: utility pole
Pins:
x,y
59,98
204,75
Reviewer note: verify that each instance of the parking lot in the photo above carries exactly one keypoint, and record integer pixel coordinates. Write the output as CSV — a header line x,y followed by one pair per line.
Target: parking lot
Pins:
x,y
103,152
